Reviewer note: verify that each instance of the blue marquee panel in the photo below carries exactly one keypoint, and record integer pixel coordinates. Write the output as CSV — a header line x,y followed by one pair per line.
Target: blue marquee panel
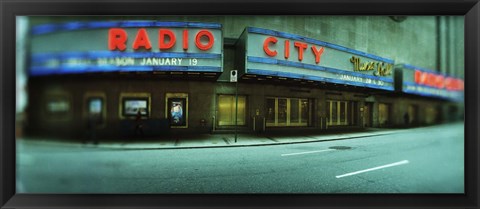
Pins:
x,y
40,62
72,26
43,57
316,42
316,78
42,71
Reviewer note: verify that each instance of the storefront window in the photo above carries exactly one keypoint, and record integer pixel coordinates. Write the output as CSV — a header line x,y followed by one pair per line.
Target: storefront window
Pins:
x,y
270,117
305,111
353,113
294,111
334,113
339,114
287,112
282,111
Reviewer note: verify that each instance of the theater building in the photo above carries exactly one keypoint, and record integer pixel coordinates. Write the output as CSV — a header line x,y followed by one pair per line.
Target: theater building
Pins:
x,y
175,76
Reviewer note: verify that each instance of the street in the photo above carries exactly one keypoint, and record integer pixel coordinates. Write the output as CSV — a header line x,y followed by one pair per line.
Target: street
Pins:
x,y
421,160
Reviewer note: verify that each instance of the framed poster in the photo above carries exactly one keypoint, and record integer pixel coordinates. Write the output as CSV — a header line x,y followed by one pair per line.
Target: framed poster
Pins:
x,y
132,103
177,113
132,106
176,109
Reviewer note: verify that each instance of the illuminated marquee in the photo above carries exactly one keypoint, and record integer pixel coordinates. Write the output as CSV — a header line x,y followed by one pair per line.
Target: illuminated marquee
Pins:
x,y
274,53
424,82
438,81
126,46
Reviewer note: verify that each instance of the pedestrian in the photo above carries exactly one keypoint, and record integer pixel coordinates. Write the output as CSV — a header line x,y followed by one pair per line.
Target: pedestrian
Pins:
x,y
92,128
139,124
406,118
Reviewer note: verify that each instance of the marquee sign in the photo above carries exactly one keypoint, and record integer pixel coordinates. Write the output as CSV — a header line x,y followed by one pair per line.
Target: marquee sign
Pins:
x,y
274,53
424,82
123,46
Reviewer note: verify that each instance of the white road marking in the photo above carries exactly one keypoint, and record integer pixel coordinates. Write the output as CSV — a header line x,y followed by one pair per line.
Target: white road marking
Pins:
x,y
372,169
302,153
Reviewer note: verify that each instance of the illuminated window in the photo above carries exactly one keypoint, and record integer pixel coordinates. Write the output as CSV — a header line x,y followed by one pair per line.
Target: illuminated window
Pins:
x,y
131,106
226,110
304,111
383,114
287,112
282,111
58,106
271,111
95,106
338,113
294,111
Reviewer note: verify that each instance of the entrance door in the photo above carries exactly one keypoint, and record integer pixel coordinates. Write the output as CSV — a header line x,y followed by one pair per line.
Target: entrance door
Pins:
x,y
342,113
226,110
353,113
413,114
383,114
367,114
288,112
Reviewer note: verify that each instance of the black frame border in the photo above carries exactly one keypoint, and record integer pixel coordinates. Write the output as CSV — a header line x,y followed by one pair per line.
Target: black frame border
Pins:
x,y
9,9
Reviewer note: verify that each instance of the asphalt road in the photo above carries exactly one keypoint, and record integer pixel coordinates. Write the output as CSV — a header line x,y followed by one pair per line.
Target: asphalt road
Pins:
x,y
425,160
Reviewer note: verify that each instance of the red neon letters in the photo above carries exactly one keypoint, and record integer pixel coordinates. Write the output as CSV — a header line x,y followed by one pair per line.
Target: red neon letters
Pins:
x,y
270,42
162,34
438,81
317,53
117,39
142,40
301,47
185,40
267,51
199,43
287,49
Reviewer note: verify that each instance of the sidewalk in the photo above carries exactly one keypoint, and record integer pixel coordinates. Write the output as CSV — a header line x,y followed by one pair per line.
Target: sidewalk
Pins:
x,y
225,140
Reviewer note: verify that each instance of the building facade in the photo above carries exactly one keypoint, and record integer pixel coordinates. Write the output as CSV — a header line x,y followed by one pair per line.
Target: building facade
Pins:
x,y
174,74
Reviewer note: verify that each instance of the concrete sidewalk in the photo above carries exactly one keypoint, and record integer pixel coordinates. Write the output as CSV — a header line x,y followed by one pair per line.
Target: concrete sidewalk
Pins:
x,y
222,140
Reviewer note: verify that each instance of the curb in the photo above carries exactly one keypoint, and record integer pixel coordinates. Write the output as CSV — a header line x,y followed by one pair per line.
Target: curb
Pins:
x,y
241,145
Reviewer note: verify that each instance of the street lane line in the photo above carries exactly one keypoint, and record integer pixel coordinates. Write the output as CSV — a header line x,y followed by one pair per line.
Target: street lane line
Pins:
x,y
372,169
302,153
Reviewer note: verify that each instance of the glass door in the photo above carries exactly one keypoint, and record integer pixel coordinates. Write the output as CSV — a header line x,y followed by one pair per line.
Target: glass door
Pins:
x,y
337,113
226,110
287,112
